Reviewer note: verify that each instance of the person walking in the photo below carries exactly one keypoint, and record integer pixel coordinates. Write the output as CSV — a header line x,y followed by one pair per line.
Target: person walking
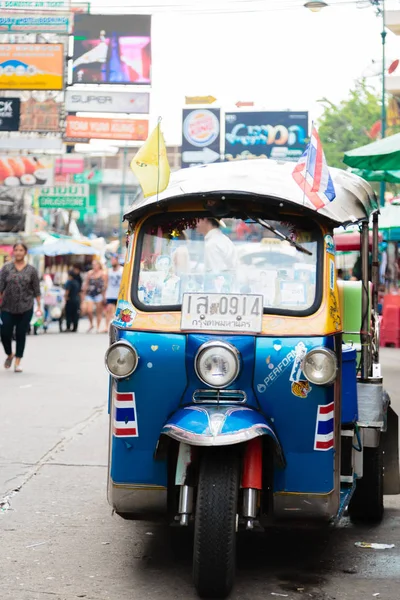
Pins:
x,y
94,292
19,286
113,283
72,301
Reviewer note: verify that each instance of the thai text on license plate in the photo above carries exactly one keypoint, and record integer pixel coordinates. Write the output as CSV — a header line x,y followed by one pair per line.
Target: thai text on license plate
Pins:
x,y
222,312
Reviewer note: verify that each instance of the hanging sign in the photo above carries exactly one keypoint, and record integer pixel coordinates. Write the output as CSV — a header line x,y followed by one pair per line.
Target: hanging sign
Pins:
x,y
68,197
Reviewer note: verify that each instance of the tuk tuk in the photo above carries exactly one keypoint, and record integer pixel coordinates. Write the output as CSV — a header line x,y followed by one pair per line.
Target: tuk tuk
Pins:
x,y
237,399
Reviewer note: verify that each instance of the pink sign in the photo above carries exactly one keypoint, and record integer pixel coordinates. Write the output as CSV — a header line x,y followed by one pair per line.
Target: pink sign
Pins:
x,y
69,164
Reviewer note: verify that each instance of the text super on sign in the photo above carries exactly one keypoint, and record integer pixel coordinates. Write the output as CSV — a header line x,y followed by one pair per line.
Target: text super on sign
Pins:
x,y
222,312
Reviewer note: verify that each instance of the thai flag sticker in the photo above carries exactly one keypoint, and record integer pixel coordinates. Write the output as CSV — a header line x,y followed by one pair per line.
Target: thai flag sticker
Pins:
x,y
125,417
324,427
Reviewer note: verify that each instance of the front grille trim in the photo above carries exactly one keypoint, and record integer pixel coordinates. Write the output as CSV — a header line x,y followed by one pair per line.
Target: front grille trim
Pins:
x,y
214,396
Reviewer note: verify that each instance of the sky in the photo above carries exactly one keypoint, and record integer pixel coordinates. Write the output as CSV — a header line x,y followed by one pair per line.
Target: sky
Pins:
x,y
275,53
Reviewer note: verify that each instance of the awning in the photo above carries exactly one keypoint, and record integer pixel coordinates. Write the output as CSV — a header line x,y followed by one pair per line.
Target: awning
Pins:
x,y
383,155
350,242
62,248
388,176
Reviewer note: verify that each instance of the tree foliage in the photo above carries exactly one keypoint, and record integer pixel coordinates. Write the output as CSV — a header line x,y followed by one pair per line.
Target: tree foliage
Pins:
x,y
345,126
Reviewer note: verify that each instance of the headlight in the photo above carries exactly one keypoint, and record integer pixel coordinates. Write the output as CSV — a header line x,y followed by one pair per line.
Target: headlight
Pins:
x,y
217,364
320,366
121,360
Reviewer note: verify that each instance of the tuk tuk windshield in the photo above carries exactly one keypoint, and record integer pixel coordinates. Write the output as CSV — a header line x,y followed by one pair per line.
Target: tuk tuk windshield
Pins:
x,y
229,256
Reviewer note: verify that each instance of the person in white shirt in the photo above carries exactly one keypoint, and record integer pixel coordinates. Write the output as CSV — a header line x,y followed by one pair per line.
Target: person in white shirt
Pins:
x,y
220,252
113,283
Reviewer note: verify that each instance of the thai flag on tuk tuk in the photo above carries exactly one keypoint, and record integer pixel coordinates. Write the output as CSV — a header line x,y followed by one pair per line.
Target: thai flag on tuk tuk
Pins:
x,y
125,417
324,439
312,174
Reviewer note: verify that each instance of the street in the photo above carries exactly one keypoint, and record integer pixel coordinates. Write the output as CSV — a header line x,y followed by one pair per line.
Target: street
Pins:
x,y
59,539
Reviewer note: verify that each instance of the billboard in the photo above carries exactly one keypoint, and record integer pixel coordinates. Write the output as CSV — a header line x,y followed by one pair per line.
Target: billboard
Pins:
x,y
9,114
69,164
68,197
106,129
112,49
200,136
124,102
12,210
40,116
31,66
279,135
33,24
26,171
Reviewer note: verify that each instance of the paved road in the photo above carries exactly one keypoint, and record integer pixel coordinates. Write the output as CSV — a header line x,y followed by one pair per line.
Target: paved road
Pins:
x,y
59,540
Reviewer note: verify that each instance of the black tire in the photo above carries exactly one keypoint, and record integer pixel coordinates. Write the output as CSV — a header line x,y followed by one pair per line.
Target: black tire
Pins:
x,y
366,505
214,553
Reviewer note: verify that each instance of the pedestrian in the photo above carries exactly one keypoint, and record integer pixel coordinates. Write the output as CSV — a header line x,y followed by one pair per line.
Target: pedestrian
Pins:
x,y
113,283
72,302
19,286
94,292
76,270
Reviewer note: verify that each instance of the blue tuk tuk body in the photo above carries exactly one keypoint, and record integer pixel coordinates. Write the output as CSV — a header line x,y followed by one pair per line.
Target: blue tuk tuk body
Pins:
x,y
284,439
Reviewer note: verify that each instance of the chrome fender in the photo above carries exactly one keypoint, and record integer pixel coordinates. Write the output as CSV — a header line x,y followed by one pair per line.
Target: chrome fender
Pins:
x,y
219,426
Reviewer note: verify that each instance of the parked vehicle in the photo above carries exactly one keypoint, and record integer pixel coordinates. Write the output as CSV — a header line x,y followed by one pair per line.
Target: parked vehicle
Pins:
x,y
237,404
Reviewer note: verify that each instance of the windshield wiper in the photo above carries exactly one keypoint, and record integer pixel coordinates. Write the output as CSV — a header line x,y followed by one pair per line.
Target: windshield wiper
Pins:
x,y
282,236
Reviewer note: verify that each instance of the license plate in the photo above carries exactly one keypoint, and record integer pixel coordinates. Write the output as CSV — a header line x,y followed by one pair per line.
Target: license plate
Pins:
x,y
222,312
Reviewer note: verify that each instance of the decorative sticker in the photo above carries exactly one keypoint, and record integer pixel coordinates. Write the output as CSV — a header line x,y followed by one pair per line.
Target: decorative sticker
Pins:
x,y
324,427
334,311
125,314
300,387
329,244
125,415
332,274
129,249
276,371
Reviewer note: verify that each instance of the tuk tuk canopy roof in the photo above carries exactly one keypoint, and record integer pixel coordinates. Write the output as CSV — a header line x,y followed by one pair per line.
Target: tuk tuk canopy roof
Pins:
x,y
266,179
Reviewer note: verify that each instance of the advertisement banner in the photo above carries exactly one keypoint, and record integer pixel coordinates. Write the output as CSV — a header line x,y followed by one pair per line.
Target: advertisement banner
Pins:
x,y
33,24
278,135
10,109
53,5
92,176
26,171
200,136
40,116
69,164
68,197
31,66
112,49
124,102
107,129
37,144
12,210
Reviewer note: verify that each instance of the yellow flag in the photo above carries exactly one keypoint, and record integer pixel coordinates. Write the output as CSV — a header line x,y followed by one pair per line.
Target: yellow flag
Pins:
x,y
150,164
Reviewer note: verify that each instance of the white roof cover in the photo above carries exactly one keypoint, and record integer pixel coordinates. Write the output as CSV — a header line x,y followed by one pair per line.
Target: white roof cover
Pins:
x,y
355,199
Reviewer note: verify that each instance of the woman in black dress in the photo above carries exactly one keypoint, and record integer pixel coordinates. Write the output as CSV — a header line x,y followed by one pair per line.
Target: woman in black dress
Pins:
x,y
19,286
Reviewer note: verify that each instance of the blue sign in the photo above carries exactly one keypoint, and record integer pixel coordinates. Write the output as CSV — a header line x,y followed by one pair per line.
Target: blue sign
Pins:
x,y
200,136
278,135
35,23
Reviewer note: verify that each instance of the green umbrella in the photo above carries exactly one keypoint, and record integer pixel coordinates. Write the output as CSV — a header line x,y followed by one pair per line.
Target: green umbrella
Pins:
x,y
383,155
388,176
389,222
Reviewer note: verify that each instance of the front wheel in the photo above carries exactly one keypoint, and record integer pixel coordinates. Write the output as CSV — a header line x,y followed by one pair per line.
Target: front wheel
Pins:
x,y
366,505
214,555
